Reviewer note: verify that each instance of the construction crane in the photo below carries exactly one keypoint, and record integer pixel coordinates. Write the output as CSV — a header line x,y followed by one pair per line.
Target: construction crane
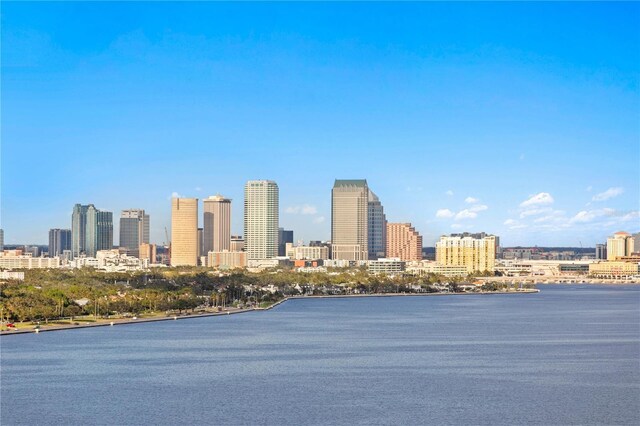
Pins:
x,y
166,234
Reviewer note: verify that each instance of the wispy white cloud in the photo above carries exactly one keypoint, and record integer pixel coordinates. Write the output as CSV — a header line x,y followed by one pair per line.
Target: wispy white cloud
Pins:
x,y
449,193
444,213
456,226
466,214
175,194
305,209
478,208
541,198
319,219
535,212
514,224
586,216
589,188
471,200
609,193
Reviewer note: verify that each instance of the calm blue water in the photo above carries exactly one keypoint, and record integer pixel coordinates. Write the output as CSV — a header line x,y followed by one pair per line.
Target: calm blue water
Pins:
x,y
569,355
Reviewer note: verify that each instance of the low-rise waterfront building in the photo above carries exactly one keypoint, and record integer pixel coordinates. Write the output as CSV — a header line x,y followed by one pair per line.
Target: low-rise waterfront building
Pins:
x,y
307,252
227,259
389,266
614,269
14,259
430,267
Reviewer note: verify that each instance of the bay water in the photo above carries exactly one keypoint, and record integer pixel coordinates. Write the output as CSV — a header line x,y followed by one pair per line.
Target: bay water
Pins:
x,y
567,355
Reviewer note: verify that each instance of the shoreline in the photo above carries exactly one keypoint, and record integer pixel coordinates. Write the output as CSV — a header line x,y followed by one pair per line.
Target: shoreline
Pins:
x,y
234,311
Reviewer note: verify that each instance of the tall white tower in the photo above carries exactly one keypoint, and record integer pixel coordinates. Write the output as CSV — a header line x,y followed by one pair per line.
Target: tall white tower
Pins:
x,y
261,204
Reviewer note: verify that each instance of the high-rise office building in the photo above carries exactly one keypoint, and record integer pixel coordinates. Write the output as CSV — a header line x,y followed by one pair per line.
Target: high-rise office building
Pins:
x,y
349,220
1,239
134,230
601,251
377,228
78,230
261,204
200,243
91,230
476,252
620,245
99,231
217,224
184,232
284,237
403,242
59,241
237,243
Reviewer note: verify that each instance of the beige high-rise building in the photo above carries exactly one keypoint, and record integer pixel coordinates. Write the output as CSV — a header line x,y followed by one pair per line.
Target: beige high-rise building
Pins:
x,y
620,245
184,232
237,243
217,224
349,220
261,215
403,242
477,252
148,251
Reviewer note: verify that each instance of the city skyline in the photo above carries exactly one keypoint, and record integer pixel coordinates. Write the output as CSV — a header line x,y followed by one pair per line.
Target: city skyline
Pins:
x,y
485,125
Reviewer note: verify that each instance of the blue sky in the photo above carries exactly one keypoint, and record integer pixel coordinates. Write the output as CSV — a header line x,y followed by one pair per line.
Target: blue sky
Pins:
x,y
519,119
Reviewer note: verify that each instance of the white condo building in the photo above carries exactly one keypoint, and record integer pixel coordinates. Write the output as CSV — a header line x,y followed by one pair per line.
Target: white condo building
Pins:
x,y
261,204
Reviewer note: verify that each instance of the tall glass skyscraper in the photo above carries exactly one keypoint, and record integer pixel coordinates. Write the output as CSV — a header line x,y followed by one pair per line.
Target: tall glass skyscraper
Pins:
x,y
59,241
261,216
377,228
78,229
134,230
91,230
284,237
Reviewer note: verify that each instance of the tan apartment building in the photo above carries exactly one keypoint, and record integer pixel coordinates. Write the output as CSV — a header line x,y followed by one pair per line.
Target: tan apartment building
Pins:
x,y
403,242
613,269
477,252
620,245
184,232
148,252
217,224
349,220
227,259
307,252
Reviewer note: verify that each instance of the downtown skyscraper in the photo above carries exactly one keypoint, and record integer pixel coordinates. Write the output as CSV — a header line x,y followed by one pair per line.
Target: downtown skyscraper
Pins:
x,y
184,232
134,230
59,241
261,217
377,227
350,220
91,230
216,232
